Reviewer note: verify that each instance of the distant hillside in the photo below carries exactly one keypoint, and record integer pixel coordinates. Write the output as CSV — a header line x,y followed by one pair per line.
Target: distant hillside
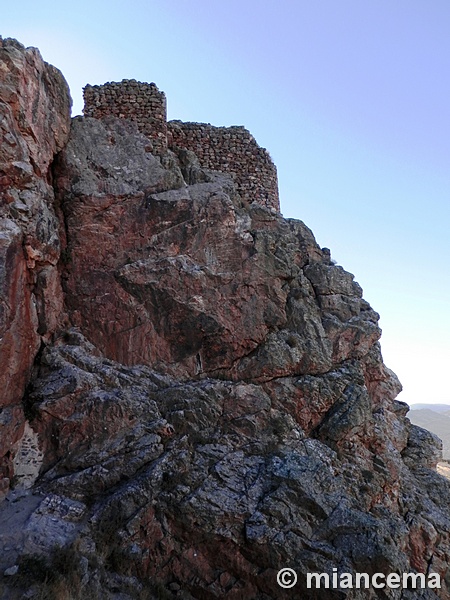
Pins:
x,y
439,408
435,420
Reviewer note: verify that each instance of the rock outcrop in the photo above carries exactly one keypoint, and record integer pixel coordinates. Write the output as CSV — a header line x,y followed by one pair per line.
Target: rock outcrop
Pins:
x,y
195,395
34,126
231,150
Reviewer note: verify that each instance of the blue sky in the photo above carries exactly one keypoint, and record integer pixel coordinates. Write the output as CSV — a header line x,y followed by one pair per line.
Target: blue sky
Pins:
x,y
350,97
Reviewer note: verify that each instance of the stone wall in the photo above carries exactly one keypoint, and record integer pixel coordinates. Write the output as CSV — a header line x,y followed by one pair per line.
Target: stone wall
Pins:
x,y
228,149
231,150
142,103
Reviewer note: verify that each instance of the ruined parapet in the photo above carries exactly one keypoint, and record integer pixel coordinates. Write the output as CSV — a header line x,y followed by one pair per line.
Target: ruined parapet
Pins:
x,y
141,103
231,150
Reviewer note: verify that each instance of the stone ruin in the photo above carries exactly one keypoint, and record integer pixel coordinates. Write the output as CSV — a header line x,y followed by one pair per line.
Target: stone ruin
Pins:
x,y
231,150
141,103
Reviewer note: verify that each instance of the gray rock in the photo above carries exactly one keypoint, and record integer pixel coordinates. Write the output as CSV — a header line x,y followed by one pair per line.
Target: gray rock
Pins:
x,y
207,401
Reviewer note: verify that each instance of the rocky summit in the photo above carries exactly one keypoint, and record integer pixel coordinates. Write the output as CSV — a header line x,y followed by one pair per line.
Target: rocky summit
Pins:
x,y
193,395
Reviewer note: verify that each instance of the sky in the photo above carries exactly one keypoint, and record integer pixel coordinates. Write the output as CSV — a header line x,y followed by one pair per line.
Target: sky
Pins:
x,y
350,97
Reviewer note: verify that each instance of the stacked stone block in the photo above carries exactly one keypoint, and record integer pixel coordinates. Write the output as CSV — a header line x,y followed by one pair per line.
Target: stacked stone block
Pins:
x,y
139,102
231,150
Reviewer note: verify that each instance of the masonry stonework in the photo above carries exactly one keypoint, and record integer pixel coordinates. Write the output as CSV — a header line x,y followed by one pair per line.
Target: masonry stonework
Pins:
x,y
141,103
231,150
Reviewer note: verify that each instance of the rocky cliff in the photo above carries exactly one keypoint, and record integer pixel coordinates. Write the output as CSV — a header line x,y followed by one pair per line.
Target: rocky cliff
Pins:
x,y
193,394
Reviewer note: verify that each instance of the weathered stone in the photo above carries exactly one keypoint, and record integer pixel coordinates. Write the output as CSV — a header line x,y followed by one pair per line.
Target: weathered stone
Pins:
x,y
231,278
34,126
253,171
424,448
213,484
214,405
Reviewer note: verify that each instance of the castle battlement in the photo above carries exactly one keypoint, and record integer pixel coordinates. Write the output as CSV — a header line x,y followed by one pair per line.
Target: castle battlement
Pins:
x,y
231,150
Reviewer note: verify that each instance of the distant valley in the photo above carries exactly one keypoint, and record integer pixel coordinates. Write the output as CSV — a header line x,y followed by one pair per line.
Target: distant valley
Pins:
x,y
435,418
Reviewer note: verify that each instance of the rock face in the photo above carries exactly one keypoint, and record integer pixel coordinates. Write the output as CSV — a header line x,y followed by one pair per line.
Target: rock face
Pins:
x,y
183,277
34,126
208,401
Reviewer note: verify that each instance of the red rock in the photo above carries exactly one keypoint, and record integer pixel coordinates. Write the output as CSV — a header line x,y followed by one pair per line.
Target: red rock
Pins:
x,y
34,126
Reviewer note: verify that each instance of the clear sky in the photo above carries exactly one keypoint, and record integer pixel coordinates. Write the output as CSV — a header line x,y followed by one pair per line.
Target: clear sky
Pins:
x,y
350,97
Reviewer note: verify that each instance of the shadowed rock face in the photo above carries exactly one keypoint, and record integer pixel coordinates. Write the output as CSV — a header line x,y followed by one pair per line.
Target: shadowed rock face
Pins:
x,y
209,403
34,126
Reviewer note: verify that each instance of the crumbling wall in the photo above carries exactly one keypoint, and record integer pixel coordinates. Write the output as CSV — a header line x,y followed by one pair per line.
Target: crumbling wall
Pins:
x,y
231,150
142,103
228,149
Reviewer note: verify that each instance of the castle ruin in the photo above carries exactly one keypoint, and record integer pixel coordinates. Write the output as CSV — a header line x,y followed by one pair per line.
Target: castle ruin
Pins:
x,y
231,150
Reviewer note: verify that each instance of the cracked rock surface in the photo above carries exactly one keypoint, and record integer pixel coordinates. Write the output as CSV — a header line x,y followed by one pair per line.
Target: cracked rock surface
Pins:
x,y
34,126
194,394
